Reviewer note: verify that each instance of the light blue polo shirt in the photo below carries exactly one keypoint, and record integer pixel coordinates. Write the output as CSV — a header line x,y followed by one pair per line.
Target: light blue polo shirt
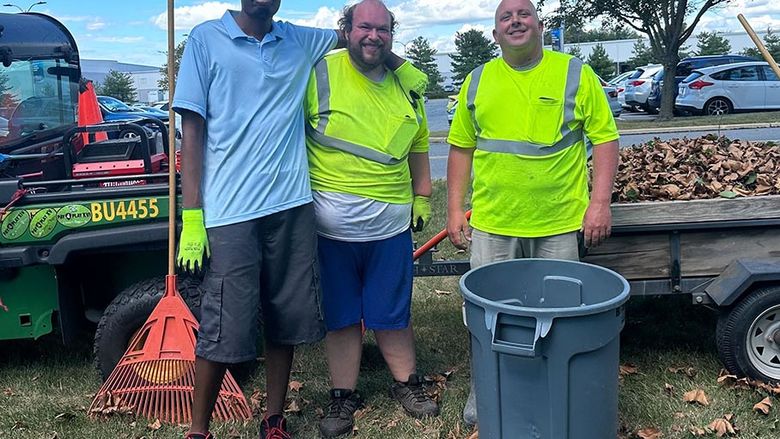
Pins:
x,y
251,95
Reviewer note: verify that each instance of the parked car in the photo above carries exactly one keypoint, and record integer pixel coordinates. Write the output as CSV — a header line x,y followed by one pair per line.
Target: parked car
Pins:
x,y
149,109
684,68
452,105
612,97
449,88
114,110
619,82
638,86
746,86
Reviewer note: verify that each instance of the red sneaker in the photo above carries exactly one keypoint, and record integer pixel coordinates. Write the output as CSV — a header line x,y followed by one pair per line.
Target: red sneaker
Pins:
x,y
274,427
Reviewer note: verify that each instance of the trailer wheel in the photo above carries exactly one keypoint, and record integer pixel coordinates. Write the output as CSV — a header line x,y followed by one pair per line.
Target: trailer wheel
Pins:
x,y
130,309
748,336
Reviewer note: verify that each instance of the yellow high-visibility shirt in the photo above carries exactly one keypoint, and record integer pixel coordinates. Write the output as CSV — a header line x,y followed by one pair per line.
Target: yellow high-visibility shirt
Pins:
x,y
530,176
360,113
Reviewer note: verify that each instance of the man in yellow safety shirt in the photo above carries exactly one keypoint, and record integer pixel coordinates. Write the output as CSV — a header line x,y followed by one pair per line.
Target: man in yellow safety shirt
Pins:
x,y
521,120
368,159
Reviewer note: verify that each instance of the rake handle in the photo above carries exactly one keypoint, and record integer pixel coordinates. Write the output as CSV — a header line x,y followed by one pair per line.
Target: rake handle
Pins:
x,y
759,44
172,148
439,237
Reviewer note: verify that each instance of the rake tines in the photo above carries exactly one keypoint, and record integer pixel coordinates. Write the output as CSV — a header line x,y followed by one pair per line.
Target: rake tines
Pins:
x,y
156,375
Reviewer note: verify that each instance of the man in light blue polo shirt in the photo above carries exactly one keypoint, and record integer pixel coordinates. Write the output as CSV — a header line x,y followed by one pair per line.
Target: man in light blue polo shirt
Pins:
x,y
245,178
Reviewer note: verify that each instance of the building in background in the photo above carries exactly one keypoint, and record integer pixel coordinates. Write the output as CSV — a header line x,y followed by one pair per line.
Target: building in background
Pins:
x,y
145,78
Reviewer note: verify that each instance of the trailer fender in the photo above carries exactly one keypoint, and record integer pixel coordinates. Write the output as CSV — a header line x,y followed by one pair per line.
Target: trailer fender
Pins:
x,y
739,276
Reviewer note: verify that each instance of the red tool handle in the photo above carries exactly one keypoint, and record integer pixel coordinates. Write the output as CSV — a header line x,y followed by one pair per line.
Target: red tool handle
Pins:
x,y
439,237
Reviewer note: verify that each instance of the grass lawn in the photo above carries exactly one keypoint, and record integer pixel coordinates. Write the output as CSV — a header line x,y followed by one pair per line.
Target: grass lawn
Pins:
x,y
693,121
45,388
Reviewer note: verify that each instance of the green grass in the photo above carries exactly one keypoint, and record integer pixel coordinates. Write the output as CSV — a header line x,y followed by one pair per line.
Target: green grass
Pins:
x,y
694,121
45,388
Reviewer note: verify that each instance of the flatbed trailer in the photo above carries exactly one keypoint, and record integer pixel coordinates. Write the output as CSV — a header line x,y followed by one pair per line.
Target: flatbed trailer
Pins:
x,y
722,253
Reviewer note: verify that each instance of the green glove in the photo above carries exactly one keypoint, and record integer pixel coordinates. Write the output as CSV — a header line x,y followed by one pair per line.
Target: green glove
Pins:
x,y
193,240
421,212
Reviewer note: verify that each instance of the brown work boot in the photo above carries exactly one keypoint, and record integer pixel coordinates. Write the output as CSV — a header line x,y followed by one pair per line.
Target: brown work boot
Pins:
x,y
413,397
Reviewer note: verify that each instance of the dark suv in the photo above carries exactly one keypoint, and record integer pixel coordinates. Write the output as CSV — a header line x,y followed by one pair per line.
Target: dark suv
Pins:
x,y
684,68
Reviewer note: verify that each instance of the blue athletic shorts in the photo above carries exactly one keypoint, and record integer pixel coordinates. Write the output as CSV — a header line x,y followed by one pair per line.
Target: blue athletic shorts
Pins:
x,y
366,280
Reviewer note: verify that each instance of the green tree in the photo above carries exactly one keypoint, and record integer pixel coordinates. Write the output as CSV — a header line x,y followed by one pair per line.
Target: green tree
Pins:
x,y
643,55
177,54
472,49
118,85
421,54
772,43
575,51
600,62
667,24
712,43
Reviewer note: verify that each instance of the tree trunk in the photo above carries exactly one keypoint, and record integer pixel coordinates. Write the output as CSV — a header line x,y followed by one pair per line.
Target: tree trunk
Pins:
x,y
668,92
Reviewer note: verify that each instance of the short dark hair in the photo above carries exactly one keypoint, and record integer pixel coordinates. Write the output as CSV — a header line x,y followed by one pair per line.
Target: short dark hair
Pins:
x,y
345,22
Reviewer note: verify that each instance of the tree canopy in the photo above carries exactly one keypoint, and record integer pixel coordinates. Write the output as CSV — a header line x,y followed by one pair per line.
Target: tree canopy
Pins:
x,y
421,54
472,49
178,52
712,43
667,23
118,85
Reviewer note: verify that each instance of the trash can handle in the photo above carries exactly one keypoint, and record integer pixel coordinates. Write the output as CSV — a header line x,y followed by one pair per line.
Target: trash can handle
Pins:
x,y
543,326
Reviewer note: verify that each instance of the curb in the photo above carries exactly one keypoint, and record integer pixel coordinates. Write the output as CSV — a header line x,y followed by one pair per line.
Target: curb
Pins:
x,y
639,131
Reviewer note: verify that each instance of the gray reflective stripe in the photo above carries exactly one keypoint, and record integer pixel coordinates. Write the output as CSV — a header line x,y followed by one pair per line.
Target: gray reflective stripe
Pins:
x,y
352,148
570,98
323,94
528,148
471,96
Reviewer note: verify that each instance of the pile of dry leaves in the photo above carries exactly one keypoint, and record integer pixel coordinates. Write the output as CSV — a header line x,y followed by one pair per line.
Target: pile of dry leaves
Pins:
x,y
688,169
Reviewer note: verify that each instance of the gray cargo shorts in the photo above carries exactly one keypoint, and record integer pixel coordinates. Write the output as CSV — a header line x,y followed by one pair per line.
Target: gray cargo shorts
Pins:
x,y
267,268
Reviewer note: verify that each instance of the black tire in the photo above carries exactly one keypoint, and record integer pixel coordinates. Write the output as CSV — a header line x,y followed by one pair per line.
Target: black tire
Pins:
x,y
650,110
128,311
748,336
718,106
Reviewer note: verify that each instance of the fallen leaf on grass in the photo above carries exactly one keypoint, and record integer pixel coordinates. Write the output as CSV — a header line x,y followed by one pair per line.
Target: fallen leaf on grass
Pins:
x,y
764,406
156,425
697,396
721,427
696,431
649,433
292,407
234,433
442,293
295,386
668,388
474,435
110,405
690,372
66,416
8,392
628,369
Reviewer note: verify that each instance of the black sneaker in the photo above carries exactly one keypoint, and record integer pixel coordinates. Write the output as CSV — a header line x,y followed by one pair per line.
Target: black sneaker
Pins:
x,y
340,413
413,397
199,436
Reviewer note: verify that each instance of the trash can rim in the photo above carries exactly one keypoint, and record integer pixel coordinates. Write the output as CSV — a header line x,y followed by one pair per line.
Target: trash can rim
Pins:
x,y
596,308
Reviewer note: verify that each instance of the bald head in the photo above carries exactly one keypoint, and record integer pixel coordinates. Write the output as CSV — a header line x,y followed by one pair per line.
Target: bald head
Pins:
x,y
513,5
346,22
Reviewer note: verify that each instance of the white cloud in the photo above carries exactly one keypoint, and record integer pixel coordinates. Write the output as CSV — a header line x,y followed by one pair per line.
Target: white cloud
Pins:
x,y
96,24
418,13
119,40
325,17
187,17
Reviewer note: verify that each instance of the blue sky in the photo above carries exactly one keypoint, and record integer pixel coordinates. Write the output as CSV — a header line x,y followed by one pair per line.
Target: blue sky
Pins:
x,y
134,31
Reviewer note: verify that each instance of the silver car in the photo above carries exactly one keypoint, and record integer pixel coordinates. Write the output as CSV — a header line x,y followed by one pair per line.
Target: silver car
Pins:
x,y
612,97
619,82
639,85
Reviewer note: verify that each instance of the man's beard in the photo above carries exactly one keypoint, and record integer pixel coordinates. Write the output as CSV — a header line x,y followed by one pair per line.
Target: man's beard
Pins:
x,y
356,53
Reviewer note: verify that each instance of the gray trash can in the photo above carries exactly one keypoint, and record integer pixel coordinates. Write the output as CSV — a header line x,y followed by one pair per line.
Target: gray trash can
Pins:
x,y
545,348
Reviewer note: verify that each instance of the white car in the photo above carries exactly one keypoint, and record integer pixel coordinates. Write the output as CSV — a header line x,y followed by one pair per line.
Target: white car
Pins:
x,y
619,82
639,84
727,88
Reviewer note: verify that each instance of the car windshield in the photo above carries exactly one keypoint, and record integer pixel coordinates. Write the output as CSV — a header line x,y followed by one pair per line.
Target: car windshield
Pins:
x,y
35,96
113,105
